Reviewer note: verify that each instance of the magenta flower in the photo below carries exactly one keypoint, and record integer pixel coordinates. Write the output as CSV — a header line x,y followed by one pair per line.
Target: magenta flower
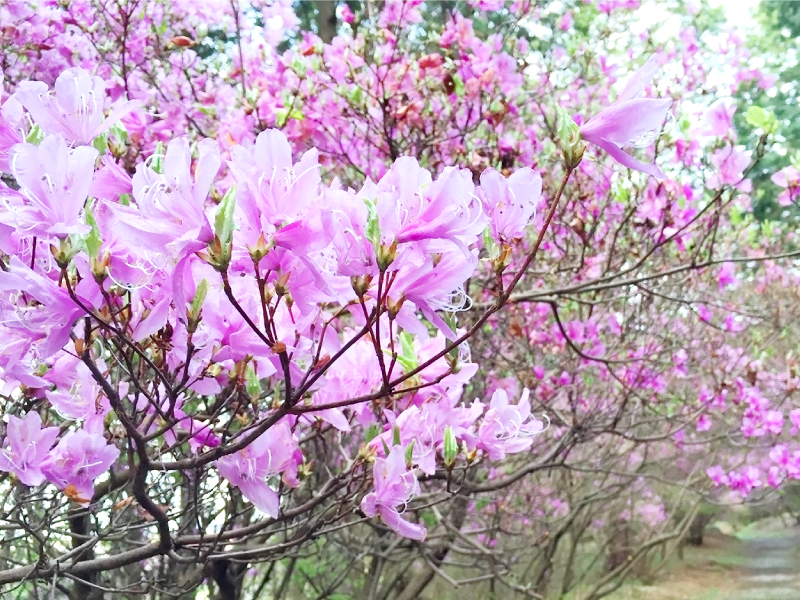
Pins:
x,y
394,485
53,318
78,459
171,217
789,179
76,110
726,275
719,117
412,207
773,421
29,447
507,429
718,475
511,202
730,164
56,182
272,453
11,126
630,121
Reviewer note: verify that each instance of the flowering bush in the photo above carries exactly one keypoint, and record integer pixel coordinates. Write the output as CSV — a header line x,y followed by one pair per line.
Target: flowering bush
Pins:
x,y
259,301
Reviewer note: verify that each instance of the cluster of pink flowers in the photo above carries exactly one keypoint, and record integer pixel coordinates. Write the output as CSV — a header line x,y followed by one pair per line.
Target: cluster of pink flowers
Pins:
x,y
88,242
225,260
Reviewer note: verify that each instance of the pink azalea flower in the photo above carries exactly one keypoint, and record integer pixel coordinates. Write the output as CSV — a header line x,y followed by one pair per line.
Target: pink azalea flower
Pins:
x,y
630,121
11,126
411,207
76,110
436,287
29,447
773,421
272,453
717,475
394,485
726,275
55,180
794,417
510,203
703,423
719,117
53,318
507,429
789,179
730,164
78,459
170,217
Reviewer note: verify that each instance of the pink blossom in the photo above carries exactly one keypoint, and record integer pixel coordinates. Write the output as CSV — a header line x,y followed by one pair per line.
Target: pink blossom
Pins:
x,y
52,319
29,447
78,459
704,423
720,119
510,203
717,475
773,421
726,275
630,121
272,453
170,215
76,109
729,163
789,179
507,429
794,417
394,485
55,180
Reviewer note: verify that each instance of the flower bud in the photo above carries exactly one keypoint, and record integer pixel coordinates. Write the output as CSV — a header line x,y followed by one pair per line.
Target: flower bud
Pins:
x,y
258,250
570,139
394,307
386,255
361,284
281,283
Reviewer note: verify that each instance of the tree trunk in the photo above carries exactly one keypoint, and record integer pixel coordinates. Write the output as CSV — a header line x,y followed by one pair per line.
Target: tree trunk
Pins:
x,y
326,19
697,528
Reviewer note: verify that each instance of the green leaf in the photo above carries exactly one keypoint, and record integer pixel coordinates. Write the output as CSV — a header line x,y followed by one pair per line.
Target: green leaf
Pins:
x,y
119,132
736,216
410,452
371,432
93,240
407,359
199,299
373,228
282,115
157,163
35,135
101,143
396,436
756,116
459,85
490,244
252,383
223,222
450,446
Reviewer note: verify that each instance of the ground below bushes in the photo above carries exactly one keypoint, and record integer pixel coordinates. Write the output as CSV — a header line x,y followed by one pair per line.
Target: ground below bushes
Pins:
x,y
760,563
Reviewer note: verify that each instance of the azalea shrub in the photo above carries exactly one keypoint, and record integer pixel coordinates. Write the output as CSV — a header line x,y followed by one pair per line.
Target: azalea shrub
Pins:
x,y
458,296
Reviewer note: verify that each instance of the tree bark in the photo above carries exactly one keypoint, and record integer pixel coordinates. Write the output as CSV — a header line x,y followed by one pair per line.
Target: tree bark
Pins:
x,y
326,19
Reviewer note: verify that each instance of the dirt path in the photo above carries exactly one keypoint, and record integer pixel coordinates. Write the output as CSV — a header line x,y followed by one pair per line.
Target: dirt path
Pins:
x,y
762,566
771,570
